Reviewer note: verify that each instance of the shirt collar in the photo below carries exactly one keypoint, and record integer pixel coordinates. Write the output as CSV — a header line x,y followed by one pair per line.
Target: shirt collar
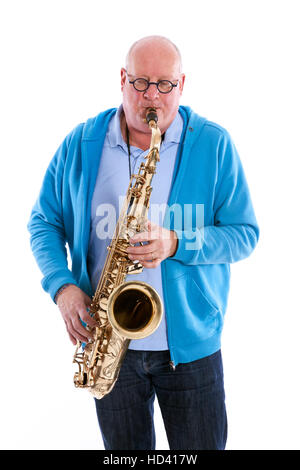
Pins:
x,y
173,133
114,133
115,138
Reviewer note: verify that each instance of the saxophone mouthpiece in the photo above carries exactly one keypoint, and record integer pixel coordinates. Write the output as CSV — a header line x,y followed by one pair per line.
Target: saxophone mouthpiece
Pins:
x,y
151,115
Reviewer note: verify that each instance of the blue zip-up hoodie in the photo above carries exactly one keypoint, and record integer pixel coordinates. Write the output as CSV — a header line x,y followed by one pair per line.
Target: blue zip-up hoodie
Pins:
x,y
195,280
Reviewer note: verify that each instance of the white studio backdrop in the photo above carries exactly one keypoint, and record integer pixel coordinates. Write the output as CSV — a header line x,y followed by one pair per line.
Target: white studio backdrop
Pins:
x,y
60,64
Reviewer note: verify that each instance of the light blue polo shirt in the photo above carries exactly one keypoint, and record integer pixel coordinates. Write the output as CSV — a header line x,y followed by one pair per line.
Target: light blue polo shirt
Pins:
x,y
111,186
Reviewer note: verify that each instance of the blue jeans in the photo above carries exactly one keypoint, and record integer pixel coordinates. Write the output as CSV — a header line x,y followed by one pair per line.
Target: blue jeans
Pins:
x,y
191,399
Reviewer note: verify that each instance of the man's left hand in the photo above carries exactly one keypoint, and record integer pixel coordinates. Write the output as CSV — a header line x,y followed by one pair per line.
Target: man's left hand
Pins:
x,y
162,243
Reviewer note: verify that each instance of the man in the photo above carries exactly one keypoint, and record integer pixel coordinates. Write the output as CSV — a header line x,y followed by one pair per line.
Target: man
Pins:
x,y
186,258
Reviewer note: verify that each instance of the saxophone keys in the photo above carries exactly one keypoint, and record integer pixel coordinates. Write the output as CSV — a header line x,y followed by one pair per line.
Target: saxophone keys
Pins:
x,y
103,304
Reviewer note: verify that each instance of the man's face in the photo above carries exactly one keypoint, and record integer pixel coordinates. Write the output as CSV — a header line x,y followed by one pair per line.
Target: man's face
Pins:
x,y
156,62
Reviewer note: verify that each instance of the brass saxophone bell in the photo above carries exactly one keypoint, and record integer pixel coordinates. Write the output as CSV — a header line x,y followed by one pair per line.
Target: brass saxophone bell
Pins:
x,y
134,309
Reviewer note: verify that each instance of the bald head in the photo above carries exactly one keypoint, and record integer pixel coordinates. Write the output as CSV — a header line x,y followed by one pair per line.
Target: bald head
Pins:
x,y
159,46
155,59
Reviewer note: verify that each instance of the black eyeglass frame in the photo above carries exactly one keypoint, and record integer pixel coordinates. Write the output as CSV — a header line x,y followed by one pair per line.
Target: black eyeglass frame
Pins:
x,y
132,82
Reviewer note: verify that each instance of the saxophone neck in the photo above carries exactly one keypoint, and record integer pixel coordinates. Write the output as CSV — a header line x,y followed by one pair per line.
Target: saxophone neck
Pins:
x,y
156,137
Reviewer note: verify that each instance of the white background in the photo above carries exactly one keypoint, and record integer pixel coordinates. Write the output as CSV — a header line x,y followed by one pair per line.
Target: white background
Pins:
x,y
60,63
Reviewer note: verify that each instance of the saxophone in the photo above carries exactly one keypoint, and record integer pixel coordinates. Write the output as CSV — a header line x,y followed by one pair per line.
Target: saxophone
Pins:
x,y
123,310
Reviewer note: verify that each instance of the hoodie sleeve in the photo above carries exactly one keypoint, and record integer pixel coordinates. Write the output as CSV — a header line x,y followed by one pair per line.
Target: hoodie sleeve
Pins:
x,y
235,232
46,227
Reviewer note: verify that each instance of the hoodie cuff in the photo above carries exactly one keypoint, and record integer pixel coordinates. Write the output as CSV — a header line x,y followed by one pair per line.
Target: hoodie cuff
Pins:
x,y
54,282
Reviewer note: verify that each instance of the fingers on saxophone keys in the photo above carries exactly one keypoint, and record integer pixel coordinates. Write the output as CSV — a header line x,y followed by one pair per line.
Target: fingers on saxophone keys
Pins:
x,y
140,258
80,332
140,254
86,317
74,333
139,250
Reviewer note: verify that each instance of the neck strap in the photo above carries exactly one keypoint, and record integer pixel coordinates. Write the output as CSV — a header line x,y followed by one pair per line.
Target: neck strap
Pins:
x,y
128,147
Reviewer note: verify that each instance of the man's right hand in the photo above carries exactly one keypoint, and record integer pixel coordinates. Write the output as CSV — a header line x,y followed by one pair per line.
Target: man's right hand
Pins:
x,y
73,303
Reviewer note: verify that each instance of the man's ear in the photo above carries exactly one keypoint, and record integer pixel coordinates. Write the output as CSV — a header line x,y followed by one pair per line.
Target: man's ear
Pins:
x,y
123,78
182,80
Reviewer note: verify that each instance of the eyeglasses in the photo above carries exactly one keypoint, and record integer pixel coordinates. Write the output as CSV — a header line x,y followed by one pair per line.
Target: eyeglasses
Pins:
x,y
141,84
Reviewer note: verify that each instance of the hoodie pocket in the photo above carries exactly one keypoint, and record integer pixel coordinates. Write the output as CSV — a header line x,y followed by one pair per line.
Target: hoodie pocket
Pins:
x,y
193,316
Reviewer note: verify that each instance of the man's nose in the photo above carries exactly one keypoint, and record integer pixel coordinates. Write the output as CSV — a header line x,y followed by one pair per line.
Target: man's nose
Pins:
x,y
152,92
